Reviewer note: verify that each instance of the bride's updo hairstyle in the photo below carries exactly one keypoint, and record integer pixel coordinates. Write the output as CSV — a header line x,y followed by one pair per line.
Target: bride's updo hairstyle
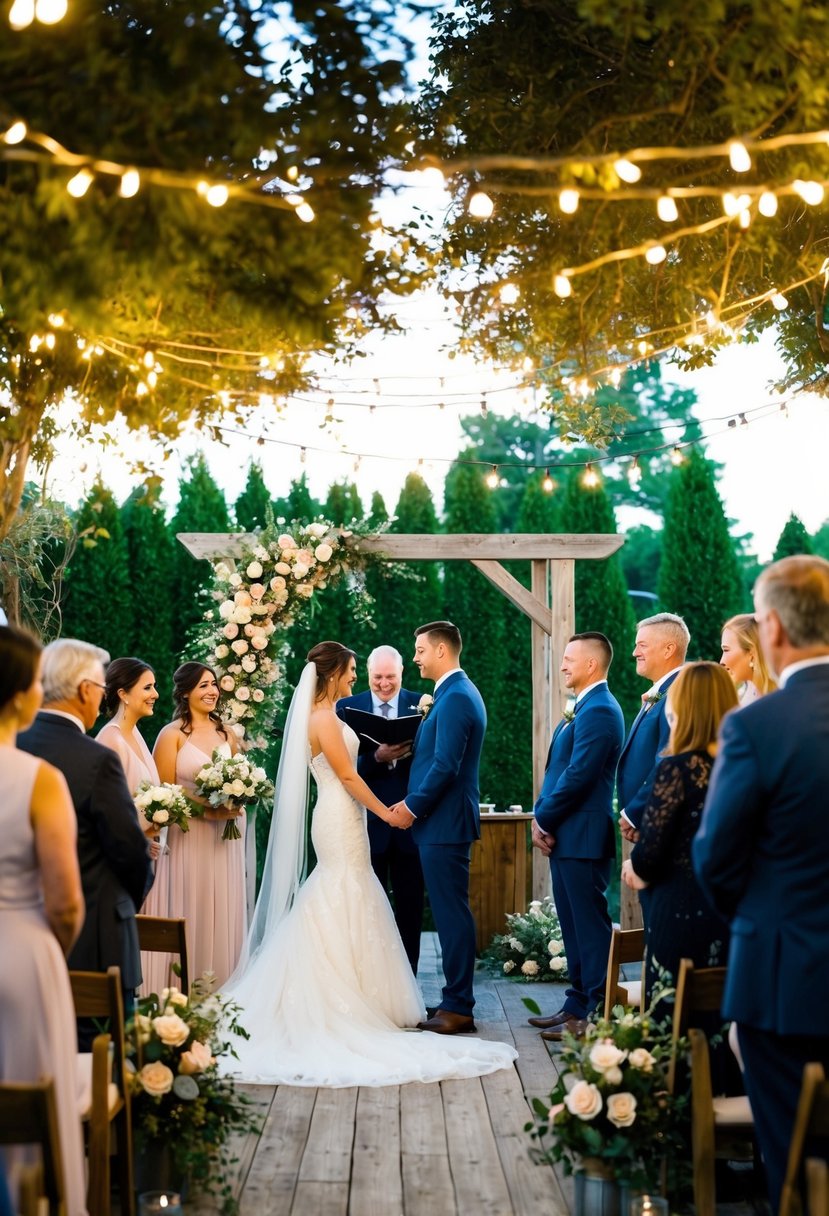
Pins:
x,y
122,674
185,679
330,659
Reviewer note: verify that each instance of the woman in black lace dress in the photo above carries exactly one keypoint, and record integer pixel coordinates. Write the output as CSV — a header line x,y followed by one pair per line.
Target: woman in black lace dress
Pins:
x,y
680,922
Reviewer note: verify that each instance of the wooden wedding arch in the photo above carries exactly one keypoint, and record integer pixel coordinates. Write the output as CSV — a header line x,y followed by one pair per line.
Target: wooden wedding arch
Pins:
x,y
549,603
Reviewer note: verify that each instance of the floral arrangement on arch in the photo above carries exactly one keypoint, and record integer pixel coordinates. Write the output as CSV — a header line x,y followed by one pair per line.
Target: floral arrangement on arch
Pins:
x,y
258,597
611,1109
180,1101
532,947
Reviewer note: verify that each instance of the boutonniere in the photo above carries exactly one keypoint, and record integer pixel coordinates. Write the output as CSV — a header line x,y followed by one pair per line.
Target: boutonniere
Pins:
x,y
651,698
425,704
569,711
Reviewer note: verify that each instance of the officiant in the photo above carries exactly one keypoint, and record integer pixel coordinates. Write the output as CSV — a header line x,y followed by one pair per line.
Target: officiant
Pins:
x,y
385,769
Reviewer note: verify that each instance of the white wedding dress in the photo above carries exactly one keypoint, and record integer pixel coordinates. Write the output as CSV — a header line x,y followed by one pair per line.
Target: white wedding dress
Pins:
x,y
328,992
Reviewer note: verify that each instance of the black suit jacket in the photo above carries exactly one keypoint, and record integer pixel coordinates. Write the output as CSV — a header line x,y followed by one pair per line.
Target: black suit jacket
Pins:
x,y
389,784
113,852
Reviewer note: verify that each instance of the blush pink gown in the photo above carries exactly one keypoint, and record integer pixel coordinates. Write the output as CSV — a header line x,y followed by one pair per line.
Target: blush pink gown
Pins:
x,y
155,968
207,881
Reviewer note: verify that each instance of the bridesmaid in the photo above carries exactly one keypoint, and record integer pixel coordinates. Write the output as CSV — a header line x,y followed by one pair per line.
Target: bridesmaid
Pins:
x,y
41,914
130,695
742,658
207,873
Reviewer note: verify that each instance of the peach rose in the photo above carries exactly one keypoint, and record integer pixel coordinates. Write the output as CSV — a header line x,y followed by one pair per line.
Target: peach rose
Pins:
x,y
257,591
254,570
621,1109
171,1029
227,683
157,1078
242,599
259,643
230,630
584,1100
323,552
282,568
306,591
195,1059
641,1058
606,1055
286,542
277,582
240,646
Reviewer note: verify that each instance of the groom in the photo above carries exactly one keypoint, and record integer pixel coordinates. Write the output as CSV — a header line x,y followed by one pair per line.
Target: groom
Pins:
x,y
442,806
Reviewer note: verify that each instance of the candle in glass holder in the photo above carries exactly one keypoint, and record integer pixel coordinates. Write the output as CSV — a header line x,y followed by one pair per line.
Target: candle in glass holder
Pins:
x,y
648,1205
160,1203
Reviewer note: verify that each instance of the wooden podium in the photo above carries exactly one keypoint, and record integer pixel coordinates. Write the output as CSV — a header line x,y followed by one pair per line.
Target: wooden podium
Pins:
x,y
499,872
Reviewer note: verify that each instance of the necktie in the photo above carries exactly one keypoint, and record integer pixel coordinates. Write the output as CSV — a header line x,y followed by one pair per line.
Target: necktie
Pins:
x,y
385,708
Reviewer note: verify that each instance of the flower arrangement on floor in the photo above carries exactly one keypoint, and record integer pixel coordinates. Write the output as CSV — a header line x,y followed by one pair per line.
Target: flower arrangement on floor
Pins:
x,y
611,1106
532,948
232,781
272,581
179,1100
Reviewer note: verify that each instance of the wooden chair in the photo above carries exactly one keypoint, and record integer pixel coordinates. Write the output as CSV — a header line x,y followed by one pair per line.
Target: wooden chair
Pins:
x,y
626,946
811,1124
720,1127
28,1115
98,995
163,935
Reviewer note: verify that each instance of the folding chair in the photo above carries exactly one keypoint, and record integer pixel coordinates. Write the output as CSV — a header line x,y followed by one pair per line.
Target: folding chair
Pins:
x,y
28,1115
163,935
626,946
811,1124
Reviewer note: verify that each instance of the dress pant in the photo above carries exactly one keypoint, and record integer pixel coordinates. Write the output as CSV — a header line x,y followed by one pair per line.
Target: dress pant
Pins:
x,y
446,871
579,891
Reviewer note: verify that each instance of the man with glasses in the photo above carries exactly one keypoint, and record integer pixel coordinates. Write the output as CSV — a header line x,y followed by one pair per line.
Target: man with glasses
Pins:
x,y
116,871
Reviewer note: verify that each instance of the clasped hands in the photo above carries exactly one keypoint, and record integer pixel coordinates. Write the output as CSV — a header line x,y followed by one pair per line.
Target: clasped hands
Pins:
x,y
543,841
400,816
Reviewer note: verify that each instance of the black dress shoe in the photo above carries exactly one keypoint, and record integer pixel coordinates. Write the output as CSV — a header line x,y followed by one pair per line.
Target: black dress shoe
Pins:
x,y
575,1027
446,1022
548,1023
431,1010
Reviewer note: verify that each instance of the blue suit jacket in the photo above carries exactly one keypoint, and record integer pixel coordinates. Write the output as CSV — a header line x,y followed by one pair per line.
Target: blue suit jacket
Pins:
x,y
443,782
641,755
389,784
576,800
762,855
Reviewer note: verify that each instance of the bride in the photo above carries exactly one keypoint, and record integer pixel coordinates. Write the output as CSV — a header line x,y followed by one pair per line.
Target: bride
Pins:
x,y
324,982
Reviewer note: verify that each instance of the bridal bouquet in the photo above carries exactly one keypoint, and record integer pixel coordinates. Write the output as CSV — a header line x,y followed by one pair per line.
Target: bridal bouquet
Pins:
x,y
232,781
163,806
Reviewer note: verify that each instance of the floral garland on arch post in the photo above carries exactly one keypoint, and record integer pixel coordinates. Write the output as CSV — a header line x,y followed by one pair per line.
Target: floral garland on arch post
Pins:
x,y
260,594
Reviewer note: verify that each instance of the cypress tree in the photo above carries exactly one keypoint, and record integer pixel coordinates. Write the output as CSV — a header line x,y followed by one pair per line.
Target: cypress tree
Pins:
x,y
699,575
201,508
602,600
299,503
793,539
151,553
253,504
100,604
414,601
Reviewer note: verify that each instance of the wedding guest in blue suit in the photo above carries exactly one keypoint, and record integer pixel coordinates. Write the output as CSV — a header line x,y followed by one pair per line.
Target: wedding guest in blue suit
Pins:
x,y
442,806
661,645
762,854
394,856
573,826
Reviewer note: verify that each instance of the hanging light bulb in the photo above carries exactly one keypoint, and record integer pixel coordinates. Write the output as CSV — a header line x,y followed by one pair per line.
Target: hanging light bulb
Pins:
x,y
745,218
216,196
568,200
634,474
21,14
547,484
433,178
677,457
509,293
666,209
739,157
655,254
811,192
627,171
562,286
16,133
80,183
49,12
767,204
481,206
130,183
733,204
492,479
590,478
616,377
779,301
305,212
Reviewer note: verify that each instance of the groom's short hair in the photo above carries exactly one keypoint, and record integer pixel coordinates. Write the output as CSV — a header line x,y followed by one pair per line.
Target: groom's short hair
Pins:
x,y
442,631
600,645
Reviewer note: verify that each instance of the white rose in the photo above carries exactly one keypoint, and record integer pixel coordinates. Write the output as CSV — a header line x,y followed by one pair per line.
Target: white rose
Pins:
x,y
300,570
584,1100
241,615
249,663
259,774
254,570
161,816
237,788
555,947
231,630
171,1029
516,945
222,570
221,651
258,696
509,965
323,552
606,1055
530,967
173,996
235,579
558,964
226,610
316,530
613,1076
621,1109
641,1058
157,1079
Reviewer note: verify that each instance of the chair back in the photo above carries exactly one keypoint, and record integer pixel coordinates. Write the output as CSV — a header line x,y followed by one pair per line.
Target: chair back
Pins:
x,y
626,946
697,992
811,1133
28,1115
165,935
98,994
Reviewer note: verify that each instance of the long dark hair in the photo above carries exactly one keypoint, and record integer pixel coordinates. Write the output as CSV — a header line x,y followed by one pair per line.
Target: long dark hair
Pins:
x,y
122,674
330,659
19,655
185,679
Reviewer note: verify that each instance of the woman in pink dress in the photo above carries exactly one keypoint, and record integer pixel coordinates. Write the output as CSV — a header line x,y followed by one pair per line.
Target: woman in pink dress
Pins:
x,y
130,695
41,913
207,874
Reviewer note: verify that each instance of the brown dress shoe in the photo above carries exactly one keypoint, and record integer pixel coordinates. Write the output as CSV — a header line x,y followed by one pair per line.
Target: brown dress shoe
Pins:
x,y
548,1023
445,1022
573,1026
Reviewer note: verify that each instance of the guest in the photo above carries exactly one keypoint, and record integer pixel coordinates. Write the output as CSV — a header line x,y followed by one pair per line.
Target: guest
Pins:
x,y
742,658
41,913
131,695
207,874
114,857
394,856
573,826
762,854
680,922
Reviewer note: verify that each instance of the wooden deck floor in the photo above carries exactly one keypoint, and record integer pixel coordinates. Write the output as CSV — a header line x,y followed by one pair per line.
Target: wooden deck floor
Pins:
x,y
448,1149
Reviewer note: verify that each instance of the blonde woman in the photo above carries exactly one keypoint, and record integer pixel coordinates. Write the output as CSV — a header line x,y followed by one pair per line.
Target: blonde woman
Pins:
x,y
742,658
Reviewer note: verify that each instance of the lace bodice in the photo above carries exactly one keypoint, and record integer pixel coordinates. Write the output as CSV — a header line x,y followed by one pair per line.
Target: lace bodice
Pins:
x,y
672,817
338,825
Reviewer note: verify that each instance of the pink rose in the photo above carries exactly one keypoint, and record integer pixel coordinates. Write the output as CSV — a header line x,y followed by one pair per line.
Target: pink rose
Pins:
x,y
230,630
277,582
304,557
249,631
240,646
196,1059
227,683
257,591
242,599
259,643
282,568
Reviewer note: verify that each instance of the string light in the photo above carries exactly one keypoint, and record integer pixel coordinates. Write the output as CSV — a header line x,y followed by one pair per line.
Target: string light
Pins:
x,y
49,12
590,478
547,484
305,212
130,183
811,192
16,133
779,301
21,14
767,204
568,200
217,195
733,204
509,293
492,479
634,474
739,157
666,209
80,183
677,457
481,206
627,171
655,254
562,286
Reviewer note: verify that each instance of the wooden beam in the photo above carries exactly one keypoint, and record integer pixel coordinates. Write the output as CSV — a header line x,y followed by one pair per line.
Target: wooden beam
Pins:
x,y
542,707
214,545
517,594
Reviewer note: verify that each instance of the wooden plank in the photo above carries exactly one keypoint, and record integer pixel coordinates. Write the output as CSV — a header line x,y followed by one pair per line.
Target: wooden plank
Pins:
x,y
515,592
327,1156
427,1178
498,874
433,546
534,1189
321,1199
630,910
376,1181
542,726
271,1181
534,1064
480,1185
